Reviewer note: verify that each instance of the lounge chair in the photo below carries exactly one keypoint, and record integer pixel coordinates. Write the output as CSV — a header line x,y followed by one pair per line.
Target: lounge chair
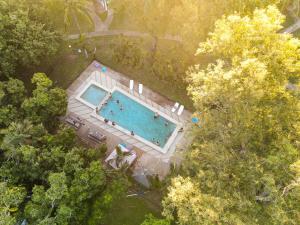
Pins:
x,y
140,89
175,107
74,122
96,136
131,85
180,110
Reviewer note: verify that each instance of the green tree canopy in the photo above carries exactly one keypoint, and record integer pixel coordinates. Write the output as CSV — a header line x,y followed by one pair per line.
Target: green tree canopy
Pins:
x,y
41,159
47,103
11,198
151,220
23,41
246,147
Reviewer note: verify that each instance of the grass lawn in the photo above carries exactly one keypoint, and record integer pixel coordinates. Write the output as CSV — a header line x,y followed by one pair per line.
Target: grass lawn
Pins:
x,y
130,211
84,23
68,64
126,21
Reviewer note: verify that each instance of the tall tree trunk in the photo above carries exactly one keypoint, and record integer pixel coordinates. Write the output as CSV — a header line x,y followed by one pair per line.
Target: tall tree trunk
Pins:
x,y
154,48
76,21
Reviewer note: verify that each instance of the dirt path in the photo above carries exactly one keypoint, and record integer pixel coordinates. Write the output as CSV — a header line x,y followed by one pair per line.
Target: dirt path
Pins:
x,y
102,28
294,27
103,33
100,25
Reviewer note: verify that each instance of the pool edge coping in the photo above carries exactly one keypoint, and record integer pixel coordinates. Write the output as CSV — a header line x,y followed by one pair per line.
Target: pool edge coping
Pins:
x,y
171,139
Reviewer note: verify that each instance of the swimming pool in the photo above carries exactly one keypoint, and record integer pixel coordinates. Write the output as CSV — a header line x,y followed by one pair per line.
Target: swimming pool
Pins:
x,y
133,116
93,95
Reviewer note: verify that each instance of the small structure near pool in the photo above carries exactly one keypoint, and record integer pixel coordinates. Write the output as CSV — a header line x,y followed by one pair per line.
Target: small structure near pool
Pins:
x,y
121,157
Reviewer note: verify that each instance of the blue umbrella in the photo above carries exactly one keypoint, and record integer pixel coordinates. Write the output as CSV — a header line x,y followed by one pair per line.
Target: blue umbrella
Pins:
x,y
103,69
195,120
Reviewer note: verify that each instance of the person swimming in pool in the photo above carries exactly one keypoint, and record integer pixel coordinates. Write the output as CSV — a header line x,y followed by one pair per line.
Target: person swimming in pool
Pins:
x,y
156,115
117,101
111,112
121,108
166,123
157,143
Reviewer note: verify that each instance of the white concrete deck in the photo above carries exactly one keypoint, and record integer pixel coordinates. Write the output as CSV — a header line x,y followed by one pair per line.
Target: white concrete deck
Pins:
x,y
110,80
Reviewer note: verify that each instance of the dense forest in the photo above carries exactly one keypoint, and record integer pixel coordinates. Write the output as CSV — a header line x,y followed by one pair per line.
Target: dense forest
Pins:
x,y
235,70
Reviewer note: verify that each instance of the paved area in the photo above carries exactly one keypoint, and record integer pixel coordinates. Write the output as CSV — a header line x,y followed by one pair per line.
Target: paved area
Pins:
x,y
94,10
149,160
294,27
103,33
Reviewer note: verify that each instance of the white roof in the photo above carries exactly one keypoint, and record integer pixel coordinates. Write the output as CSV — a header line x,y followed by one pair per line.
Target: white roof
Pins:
x,y
127,159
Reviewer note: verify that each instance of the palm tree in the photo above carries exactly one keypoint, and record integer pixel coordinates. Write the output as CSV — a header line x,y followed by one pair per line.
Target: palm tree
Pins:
x,y
74,8
120,157
16,135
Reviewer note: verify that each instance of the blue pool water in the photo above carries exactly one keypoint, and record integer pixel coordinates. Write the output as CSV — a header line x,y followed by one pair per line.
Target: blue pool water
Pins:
x,y
94,95
137,118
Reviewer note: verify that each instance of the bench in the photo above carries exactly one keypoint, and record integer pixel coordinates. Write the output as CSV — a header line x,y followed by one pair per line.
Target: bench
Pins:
x,y
96,136
74,122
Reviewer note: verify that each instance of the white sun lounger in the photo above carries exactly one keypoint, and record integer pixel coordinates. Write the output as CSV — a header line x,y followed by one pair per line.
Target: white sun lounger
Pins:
x,y
175,107
180,110
131,84
140,89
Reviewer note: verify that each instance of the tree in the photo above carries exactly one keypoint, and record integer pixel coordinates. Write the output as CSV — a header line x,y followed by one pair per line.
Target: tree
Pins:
x,y
121,155
23,41
12,94
11,198
73,9
15,92
241,160
118,184
44,203
128,52
154,12
151,220
47,103
62,180
16,135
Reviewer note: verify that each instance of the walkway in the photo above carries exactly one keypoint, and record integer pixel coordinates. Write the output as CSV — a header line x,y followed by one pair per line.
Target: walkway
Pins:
x,y
294,27
103,33
98,23
102,28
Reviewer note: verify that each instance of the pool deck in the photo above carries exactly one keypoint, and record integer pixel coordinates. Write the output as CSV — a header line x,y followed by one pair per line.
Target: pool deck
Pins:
x,y
150,161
